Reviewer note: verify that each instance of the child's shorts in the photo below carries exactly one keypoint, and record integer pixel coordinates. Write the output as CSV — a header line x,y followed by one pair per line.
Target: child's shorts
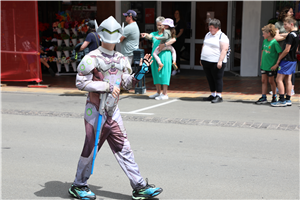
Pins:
x,y
269,73
287,67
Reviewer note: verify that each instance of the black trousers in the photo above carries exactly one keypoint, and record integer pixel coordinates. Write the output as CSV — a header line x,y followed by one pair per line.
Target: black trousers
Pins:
x,y
178,46
214,75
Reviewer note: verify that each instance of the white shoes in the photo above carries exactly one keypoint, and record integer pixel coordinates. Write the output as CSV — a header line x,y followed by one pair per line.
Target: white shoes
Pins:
x,y
162,97
174,72
154,95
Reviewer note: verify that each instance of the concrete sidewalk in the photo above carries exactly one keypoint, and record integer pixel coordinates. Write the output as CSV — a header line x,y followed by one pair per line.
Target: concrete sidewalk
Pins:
x,y
187,84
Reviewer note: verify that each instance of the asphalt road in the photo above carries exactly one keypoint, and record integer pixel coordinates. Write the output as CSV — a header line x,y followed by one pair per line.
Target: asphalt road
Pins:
x,y
190,148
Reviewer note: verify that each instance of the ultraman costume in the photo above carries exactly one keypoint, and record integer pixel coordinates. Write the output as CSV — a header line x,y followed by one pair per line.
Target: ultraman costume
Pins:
x,y
98,73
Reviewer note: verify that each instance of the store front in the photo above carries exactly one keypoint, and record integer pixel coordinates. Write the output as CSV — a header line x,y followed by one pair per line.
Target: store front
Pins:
x,y
241,21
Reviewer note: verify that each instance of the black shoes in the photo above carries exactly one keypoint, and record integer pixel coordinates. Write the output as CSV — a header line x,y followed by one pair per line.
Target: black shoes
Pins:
x,y
217,99
211,97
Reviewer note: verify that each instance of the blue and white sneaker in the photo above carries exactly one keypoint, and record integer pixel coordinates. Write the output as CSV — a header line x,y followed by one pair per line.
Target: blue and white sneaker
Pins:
x,y
279,104
82,192
149,191
288,102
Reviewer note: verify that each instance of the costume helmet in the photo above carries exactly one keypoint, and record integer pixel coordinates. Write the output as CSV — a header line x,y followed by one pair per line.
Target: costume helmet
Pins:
x,y
110,31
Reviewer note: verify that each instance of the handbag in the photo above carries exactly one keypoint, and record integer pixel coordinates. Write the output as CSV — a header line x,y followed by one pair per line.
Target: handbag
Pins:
x,y
229,50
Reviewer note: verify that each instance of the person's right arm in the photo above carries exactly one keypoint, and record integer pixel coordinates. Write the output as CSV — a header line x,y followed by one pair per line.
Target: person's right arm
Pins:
x,y
281,56
280,36
146,35
84,77
165,36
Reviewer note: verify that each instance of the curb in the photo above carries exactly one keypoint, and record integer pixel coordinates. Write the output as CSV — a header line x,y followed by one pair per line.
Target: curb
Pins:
x,y
190,95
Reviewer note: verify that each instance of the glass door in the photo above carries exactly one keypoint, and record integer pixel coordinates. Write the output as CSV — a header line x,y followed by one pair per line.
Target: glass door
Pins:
x,y
205,11
167,10
237,17
196,14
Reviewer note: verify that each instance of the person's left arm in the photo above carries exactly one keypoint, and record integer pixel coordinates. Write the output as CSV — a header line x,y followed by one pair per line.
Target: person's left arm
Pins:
x,y
224,48
170,42
87,41
84,45
130,80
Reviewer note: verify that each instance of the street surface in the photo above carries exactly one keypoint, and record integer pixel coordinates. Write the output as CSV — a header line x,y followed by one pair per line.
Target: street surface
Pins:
x,y
191,148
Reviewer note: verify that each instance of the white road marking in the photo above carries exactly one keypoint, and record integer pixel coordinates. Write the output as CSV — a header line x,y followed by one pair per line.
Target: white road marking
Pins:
x,y
147,108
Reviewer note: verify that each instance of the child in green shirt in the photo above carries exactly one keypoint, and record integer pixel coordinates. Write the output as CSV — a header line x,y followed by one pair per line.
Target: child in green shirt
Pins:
x,y
269,55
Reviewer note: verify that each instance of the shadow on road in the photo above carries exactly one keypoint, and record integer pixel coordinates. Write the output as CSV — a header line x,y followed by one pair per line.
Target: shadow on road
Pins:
x,y
191,99
59,189
249,102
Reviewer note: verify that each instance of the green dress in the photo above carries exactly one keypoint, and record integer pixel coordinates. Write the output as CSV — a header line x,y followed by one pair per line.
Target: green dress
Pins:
x,y
164,75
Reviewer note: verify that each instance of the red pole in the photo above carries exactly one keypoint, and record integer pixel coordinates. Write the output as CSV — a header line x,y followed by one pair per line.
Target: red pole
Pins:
x,y
38,41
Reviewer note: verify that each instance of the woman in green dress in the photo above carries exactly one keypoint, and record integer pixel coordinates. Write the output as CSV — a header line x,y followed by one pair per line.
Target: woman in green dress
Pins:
x,y
163,76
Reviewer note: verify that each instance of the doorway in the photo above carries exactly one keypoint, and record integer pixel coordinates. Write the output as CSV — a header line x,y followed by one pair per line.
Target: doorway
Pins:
x,y
196,16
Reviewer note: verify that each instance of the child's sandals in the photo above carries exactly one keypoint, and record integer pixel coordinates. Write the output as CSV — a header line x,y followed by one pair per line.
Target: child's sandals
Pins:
x,y
174,66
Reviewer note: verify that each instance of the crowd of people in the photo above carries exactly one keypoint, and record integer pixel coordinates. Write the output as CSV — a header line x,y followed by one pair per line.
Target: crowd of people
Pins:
x,y
103,71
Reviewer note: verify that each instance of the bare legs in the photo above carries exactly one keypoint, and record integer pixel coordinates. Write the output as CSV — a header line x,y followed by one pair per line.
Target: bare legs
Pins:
x,y
158,89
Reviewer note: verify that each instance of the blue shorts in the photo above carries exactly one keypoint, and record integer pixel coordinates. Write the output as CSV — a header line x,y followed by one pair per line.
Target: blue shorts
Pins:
x,y
287,67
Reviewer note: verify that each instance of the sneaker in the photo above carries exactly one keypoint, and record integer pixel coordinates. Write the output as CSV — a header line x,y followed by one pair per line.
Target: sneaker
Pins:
x,y
146,192
262,100
288,102
162,97
174,72
274,99
154,95
279,104
217,99
211,97
81,192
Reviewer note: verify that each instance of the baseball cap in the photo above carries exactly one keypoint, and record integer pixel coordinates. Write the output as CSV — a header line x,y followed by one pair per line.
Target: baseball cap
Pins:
x,y
130,13
91,24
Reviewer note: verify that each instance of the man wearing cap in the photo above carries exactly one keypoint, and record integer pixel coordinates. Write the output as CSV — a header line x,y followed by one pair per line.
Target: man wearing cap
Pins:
x,y
131,36
92,40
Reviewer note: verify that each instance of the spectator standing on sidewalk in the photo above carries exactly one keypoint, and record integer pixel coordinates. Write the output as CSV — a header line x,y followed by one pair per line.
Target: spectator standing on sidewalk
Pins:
x,y
286,64
214,59
269,54
92,40
131,36
281,33
161,78
179,27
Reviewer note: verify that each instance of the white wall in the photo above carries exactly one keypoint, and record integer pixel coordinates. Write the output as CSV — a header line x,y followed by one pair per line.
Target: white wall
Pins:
x,y
256,14
251,38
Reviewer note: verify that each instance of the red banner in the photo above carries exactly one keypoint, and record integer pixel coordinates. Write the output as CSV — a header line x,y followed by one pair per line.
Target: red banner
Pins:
x,y
20,60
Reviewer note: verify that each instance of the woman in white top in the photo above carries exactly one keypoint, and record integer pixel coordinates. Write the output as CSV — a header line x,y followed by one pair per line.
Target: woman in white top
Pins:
x,y
214,59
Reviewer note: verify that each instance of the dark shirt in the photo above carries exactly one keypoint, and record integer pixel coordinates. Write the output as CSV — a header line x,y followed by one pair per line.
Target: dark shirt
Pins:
x,y
179,25
91,37
293,39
